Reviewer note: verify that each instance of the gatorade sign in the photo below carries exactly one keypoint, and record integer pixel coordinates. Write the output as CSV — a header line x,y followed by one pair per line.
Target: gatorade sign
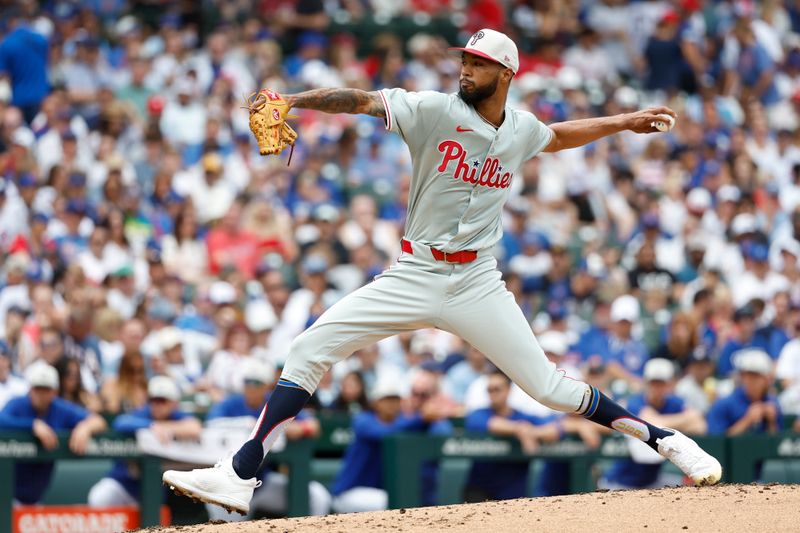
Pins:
x,y
78,519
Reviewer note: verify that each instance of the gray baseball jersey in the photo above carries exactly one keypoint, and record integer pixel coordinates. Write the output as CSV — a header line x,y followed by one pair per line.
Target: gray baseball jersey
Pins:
x,y
462,166
462,169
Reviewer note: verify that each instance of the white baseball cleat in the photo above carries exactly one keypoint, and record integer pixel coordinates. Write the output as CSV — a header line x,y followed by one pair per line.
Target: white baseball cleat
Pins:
x,y
219,485
690,458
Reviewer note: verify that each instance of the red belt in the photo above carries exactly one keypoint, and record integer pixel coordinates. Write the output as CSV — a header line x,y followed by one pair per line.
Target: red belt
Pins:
x,y
464,256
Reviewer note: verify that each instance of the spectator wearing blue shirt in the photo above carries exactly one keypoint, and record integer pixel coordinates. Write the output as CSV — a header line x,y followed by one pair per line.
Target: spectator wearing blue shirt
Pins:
x,y
750,407
623,355
461,375
750,66
505,480
773,336
271,498
556,282
512,241
531,260
73,242
359,485
161,416
42,413
23,59
744,322
593,341
426,400
658,405
666,65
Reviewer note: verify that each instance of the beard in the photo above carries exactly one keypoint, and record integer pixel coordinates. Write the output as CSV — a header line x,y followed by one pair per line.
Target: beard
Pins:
x,y
477,94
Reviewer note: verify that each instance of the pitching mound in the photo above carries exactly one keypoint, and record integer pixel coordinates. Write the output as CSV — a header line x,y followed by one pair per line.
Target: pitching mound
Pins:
x,y
722,508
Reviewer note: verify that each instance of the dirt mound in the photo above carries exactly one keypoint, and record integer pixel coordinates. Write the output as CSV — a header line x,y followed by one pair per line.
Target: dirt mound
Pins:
x,y
721,508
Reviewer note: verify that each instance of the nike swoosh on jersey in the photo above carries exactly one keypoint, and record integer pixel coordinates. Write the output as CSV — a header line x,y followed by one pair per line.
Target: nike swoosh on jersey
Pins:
x,y
459,129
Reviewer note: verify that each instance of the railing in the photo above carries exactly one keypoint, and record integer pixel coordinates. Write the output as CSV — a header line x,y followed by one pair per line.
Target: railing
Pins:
x,y
404,454
23,447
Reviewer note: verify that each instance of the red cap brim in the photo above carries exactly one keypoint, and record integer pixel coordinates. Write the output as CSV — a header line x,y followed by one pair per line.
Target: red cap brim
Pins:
x,y
476,53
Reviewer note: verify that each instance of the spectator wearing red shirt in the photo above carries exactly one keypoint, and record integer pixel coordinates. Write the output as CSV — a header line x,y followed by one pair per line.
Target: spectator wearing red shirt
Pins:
x,y
230,247
485,14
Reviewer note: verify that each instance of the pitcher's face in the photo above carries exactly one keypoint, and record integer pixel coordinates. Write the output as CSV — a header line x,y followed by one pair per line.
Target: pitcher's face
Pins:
x,y
479,78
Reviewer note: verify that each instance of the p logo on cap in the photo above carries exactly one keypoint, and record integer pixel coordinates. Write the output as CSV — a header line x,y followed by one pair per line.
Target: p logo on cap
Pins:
x,y
494,46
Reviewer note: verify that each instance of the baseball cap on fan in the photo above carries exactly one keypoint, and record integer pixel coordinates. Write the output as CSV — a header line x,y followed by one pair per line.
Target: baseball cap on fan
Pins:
x,y
659,369
492,45
42,375
163,387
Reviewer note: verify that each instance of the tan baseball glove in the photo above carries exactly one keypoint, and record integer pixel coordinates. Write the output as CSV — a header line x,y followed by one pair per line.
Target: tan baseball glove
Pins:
x,y
268,114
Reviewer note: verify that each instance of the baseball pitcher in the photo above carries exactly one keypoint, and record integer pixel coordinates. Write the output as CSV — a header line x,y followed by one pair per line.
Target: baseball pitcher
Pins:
x,y
466,148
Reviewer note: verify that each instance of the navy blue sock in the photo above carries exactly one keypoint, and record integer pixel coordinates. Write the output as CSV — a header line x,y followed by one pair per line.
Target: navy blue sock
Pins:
x,y
285,402
601,409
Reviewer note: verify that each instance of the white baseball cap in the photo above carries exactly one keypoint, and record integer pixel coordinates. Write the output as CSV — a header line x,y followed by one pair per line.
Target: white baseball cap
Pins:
x,y
257,369
659,369
222,292
744,223
626,307
790,246
169,337
40,374
163,387
492,45
385,388
554,342
752,360
698,199
23,137
259,316
626,97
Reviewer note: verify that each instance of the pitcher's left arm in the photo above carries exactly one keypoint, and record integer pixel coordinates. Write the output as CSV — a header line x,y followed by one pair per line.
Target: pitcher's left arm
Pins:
x,y
574,133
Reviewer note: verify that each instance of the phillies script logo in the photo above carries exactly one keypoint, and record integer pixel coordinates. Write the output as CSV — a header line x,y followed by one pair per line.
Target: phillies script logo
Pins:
x,y
475,38
492,174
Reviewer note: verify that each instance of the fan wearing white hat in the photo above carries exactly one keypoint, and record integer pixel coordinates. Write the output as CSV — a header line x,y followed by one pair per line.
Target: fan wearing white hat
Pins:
x,y
751,407
466,149
171,361
659,405
165,420
359,485
623,352
271,497
45,415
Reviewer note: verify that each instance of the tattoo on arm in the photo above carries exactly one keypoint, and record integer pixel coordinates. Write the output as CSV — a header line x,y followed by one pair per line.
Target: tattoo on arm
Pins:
x,y
354,101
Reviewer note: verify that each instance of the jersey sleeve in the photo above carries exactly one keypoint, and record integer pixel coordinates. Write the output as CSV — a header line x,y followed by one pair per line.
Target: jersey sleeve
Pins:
x,y
635,404
674,405
718,419
14,415
534,133
413,115
177,415
218,410
4,68
540,420
74,415
478,421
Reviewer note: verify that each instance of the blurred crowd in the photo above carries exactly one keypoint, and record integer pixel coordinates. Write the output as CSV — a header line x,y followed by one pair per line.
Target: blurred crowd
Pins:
x,y
143,236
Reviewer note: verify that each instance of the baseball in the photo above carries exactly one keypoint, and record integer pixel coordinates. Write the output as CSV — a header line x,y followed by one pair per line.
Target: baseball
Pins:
x,y
666,123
